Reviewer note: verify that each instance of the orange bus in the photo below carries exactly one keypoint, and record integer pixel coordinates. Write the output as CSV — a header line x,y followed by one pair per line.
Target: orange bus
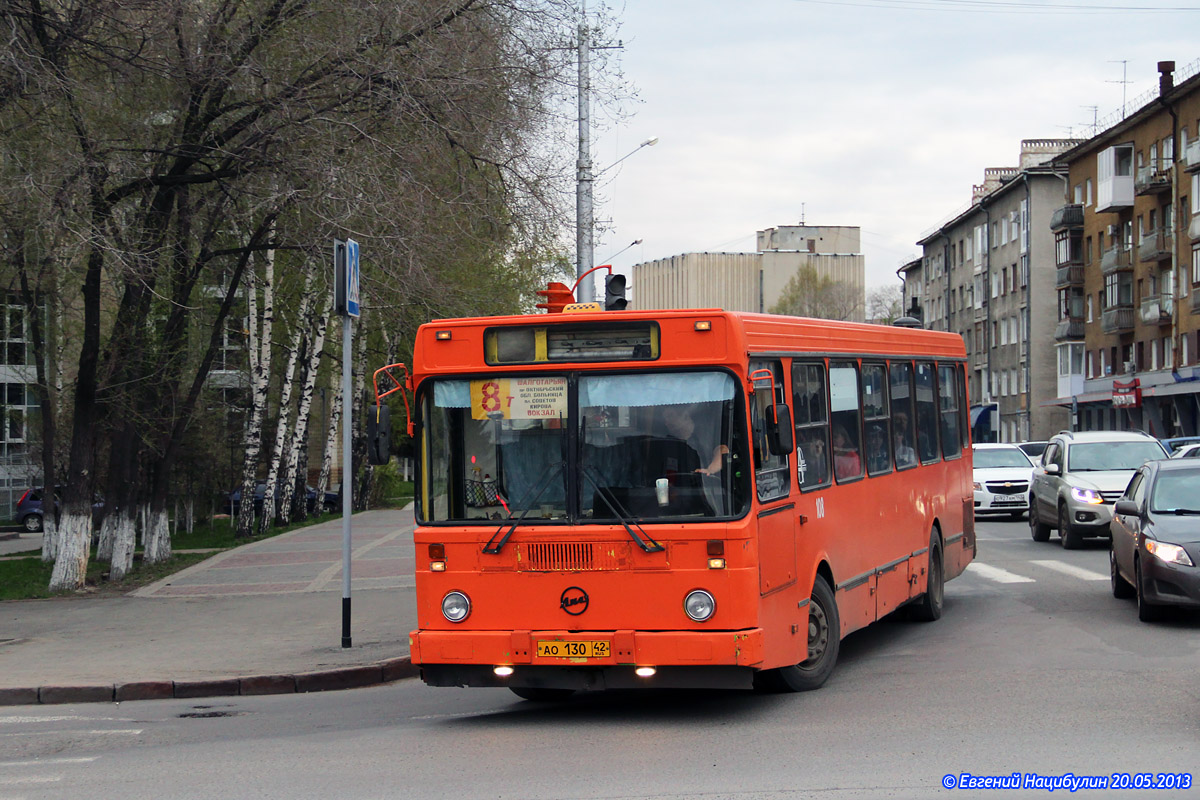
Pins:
x,y
685,498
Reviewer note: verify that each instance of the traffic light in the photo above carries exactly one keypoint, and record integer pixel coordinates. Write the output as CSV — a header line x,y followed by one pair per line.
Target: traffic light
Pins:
x,y
614,292
558,296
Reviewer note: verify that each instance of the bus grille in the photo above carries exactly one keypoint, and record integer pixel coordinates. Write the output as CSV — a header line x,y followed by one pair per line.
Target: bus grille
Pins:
x,y
567,557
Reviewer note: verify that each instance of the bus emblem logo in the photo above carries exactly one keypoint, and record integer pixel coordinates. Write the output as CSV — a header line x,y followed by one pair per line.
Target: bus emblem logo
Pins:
x,y
574,601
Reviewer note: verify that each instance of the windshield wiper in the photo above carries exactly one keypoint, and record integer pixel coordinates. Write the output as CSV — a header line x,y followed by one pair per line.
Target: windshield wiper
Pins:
x,y
543,481
1180,512
647,543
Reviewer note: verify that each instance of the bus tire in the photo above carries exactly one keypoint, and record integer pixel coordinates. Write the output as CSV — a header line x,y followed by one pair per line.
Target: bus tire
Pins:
x,y
929,606
824,640
541,695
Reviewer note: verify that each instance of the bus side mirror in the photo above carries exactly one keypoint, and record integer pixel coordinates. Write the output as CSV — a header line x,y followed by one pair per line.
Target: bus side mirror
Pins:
x,y
379,435
781,436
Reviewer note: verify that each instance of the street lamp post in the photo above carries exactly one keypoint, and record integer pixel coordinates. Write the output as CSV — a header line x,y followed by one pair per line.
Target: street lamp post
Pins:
x,y
583,206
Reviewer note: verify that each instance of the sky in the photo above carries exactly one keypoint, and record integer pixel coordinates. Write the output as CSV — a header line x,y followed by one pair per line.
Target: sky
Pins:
x,y
879,114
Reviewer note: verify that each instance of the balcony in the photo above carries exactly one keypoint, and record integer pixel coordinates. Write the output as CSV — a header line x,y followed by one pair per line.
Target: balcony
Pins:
x,y
1069,217
1116,259
1154,179
1118,319
1071,275
1191,156
1196,301
1157,308
981,313
1071,328
1194,228
1156,245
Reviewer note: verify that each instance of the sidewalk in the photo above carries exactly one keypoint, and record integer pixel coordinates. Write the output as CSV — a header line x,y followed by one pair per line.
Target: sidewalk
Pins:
x,y
263,618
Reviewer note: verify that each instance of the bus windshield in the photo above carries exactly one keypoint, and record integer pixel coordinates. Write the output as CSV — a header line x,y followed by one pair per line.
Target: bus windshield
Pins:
x,y
574,447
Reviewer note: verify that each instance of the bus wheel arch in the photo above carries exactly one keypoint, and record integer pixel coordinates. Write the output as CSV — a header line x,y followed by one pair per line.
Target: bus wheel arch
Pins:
x,y
928,607
824,641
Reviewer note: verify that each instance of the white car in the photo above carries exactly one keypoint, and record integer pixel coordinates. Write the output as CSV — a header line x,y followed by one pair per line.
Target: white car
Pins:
x,y
1187,451
1003,474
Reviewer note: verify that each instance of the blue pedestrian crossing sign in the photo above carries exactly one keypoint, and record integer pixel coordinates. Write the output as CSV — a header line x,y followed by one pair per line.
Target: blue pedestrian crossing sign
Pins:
x,y
346,277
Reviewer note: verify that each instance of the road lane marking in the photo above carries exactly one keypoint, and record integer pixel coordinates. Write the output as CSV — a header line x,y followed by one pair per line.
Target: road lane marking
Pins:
x,y
57,731
32,779
19,720
996,574
47,761
1072,570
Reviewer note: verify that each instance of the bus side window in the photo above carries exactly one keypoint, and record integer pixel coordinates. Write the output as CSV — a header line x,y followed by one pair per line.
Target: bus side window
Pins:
x,y
875,414
812,424
846,422
770,471
927,413
900,381
948,395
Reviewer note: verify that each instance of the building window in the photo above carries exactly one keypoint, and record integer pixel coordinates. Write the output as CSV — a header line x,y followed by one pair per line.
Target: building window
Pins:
x,y
1087,192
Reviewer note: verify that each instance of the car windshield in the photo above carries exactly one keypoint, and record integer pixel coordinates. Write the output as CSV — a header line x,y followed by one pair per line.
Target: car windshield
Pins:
x,y
1176,491
580,447
992,457
1033,449
1096,456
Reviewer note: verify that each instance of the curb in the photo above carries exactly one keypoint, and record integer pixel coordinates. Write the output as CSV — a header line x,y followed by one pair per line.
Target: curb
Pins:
x,y
388,671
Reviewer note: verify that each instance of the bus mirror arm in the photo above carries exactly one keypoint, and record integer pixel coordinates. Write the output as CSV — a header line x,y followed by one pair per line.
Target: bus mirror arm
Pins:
x,y
397,387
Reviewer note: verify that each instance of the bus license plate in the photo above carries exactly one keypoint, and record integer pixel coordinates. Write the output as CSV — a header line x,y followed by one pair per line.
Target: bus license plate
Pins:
x,y
556,649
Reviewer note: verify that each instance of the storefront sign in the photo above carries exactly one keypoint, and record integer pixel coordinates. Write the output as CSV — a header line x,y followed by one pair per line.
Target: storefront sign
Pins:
x,y
1127,394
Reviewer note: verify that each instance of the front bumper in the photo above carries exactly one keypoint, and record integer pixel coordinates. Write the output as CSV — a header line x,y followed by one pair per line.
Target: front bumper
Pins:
x,y
705,659
1170,584
986,502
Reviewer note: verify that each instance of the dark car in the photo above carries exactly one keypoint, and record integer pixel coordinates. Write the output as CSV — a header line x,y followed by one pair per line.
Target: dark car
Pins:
x,y
1156,538
29,509
233,499
1033,449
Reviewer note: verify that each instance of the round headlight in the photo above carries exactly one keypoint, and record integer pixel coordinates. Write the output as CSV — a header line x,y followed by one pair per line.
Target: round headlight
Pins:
x,y
456,606
699,605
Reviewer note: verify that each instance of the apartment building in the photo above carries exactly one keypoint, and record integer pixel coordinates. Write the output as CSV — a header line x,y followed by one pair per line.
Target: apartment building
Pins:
x,y
1128,267
753,281
17,403
988,274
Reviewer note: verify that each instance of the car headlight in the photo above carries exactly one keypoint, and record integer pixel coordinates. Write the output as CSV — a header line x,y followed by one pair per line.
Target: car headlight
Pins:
x,y
1086,495
456,606
699,605
1170,553
978,486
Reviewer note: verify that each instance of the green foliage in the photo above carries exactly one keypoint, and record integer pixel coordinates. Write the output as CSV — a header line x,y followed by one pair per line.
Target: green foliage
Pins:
x,y
389,489
811,294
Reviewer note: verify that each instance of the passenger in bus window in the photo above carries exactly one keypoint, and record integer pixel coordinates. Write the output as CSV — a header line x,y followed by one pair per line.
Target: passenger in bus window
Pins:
x,y
816,460
878,457
846,463
905,455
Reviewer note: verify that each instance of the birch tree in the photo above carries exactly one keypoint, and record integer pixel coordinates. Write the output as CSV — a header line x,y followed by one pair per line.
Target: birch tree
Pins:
x,y
294,472
259,346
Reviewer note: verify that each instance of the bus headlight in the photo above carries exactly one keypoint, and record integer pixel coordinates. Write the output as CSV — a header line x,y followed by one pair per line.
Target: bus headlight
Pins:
x,y
699,605
456,606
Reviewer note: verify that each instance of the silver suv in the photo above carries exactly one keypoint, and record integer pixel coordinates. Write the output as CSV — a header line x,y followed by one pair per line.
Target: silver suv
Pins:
x,y
1080,476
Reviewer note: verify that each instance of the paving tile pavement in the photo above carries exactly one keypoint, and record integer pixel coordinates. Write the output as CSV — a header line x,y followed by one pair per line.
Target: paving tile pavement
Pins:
x,y
266,612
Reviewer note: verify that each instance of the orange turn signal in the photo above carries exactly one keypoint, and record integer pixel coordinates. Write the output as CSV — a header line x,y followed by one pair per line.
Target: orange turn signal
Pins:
x,y
703,325
442,336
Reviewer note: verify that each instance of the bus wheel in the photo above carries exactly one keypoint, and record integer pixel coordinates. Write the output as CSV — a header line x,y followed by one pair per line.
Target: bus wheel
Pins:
x,y
824,640
929,607
540,695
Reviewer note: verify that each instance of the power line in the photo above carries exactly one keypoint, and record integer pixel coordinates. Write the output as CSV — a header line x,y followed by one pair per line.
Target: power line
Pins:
x,y
1000,6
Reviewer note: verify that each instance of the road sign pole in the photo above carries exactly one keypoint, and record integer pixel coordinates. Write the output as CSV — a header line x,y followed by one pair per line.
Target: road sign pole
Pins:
x,y
346,302
347,482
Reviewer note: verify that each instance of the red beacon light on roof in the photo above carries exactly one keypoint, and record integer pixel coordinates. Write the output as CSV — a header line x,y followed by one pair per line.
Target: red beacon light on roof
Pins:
x,y
558,296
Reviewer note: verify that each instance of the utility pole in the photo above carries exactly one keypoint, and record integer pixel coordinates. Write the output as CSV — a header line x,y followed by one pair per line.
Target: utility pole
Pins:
x,y
583,169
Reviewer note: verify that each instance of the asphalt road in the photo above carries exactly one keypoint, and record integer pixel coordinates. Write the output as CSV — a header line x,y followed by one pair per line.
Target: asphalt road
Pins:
x,y
1034,668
